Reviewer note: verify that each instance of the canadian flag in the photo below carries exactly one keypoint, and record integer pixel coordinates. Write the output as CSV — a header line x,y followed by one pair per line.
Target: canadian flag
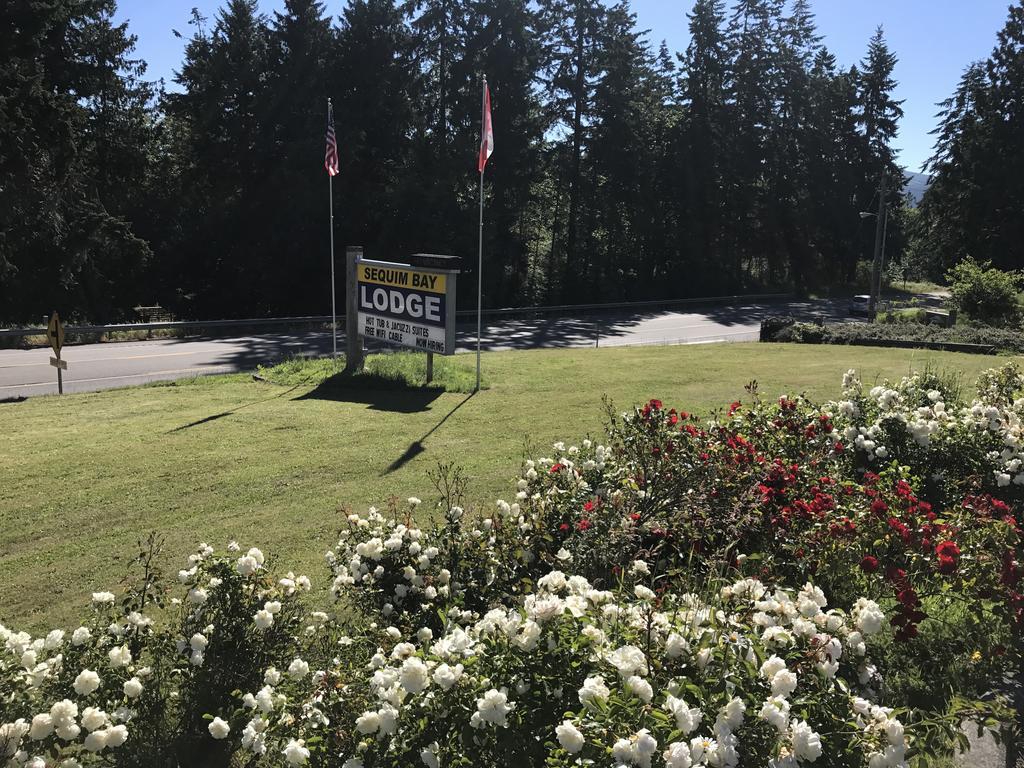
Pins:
x,y
487,135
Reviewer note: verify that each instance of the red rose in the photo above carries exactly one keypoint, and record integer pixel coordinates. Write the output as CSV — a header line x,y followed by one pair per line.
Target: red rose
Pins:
x,y
895,575
588,506
949,556
947,549
869,564
908,597
582,525
554,468
838,448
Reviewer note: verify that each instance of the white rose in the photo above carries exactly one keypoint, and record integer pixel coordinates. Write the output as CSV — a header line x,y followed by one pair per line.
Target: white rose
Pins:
x,y
81,636
42,726
133,688
368,722
414,676
806,743
86,682
218,728
569,737
295,753
93,718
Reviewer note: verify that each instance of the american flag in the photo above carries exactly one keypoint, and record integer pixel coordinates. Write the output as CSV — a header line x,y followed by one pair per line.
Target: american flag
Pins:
x,y
331,156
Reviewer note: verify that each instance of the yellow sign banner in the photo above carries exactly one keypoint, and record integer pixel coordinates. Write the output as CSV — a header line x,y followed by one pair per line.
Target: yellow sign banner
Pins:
x,y
396,277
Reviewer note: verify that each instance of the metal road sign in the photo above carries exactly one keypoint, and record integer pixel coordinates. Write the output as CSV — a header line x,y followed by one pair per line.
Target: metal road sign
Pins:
x,y
55,334
56,362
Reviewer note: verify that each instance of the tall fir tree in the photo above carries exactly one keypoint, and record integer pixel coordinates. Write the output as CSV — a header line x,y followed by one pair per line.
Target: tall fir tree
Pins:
x,y
972,207
376,82
71,100
572,28
702,146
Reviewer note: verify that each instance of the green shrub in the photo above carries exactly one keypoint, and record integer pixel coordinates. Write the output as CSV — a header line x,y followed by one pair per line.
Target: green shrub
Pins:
x,y
1002,339
984,293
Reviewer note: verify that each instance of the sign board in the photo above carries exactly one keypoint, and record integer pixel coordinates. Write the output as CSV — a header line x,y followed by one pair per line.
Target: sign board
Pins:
x,y
406,306
56,362
55,334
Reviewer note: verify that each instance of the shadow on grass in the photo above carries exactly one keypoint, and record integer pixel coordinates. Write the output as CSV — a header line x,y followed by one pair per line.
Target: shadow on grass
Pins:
x,y
215,416
380,393
416,448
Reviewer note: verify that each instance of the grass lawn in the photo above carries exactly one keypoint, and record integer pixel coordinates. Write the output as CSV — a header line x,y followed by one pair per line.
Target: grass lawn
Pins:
x,y
85,476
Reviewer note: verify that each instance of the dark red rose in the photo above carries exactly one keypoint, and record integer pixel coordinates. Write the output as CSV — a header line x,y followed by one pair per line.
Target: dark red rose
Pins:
x,y
949,556
908,597
869,564
947,549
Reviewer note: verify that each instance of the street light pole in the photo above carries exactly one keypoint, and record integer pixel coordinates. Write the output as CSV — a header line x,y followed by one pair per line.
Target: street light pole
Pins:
x,y
876,266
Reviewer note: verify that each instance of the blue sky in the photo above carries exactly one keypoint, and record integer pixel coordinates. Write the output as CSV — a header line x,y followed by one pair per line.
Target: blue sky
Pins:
x,y
934,39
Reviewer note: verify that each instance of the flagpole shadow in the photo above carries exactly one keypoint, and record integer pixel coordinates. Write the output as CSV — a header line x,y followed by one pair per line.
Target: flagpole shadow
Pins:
x,y
416,448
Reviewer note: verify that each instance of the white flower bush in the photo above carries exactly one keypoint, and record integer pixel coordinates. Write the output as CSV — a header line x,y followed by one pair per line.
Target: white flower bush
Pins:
x,y
121,690
684,682
566,673
918,421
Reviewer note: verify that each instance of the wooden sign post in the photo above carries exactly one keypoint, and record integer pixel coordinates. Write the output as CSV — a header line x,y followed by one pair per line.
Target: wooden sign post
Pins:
x,y
55,335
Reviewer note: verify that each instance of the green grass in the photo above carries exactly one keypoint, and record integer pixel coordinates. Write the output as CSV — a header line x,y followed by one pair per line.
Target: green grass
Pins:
x,y
401,370
82,477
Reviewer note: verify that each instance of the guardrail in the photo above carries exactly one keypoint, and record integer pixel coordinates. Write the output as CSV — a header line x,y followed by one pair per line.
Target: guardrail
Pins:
x,y
326,319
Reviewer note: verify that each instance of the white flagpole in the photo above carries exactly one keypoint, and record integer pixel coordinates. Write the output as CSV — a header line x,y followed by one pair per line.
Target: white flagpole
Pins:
x,y
330,207
480,249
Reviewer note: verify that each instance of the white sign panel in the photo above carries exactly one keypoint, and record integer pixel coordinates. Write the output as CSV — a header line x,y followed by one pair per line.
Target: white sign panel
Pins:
x,y
406,306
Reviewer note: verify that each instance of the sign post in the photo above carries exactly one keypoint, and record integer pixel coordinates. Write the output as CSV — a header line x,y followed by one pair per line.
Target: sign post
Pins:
x,y
408,305
55,335
353,340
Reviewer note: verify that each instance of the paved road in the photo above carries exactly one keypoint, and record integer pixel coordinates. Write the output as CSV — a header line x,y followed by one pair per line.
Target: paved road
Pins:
x,y
24,373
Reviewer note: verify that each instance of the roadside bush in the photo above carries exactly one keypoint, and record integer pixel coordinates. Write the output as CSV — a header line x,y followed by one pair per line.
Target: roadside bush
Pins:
x,y
985,293
773,324
1001,339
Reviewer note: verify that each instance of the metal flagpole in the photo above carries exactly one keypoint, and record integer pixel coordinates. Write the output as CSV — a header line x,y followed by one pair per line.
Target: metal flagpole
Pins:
x,y
330,207
479,280
480,249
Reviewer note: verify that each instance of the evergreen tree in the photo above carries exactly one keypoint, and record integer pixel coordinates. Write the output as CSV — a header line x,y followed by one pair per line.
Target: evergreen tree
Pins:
x,y
623,155
503,41
69,97
224,245
571,27
375,79
292,115
703,144
972,207
754,91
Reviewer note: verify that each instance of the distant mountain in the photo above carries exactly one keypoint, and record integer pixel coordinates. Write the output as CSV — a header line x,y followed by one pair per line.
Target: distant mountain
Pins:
x,y
917,183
